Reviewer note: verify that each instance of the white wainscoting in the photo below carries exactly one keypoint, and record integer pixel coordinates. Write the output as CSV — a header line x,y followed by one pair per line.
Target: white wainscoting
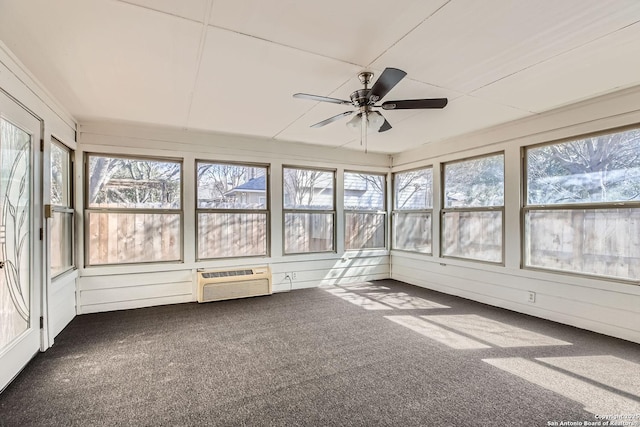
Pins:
x,y
62,303
310,274
134,290
609,308
120,291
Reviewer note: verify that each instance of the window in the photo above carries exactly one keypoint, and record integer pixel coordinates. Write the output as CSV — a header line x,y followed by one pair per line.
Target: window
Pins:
x,y
364,206
309,210
582,207
473,201
412,210
62,217
232,210
133,210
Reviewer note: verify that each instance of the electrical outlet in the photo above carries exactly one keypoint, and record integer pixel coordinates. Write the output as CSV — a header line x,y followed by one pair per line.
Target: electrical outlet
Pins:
x,y
294,276
531,297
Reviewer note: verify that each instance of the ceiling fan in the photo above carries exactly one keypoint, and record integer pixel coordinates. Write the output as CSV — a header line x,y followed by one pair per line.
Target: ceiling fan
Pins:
x,y
364,100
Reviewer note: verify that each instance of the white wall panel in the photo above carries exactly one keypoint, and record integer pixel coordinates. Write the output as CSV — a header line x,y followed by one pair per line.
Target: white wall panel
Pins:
x,y
329,272
614,311
165,141
115,281
123,291
106,292
62,303
137,303
132,293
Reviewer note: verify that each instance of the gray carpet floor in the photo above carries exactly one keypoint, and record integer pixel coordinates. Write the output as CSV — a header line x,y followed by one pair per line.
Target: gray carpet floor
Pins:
x,y
309,358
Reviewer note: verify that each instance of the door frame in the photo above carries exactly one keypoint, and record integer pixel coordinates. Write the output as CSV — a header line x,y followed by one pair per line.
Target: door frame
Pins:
x,y
23,348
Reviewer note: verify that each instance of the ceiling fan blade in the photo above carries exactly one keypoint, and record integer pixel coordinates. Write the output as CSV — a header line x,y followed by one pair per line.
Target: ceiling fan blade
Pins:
x,y
332,119
321,98
387,80
385,126
410,104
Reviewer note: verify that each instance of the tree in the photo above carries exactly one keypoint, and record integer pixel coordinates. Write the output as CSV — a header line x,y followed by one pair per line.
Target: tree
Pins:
x,y
475,182
363,191
413,189
134,183
604,168
216,182
305,187
59,169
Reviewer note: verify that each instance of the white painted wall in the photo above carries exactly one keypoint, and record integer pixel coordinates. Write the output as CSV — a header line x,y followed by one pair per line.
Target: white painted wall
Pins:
x,y
58,295
604,306
128,286
62,302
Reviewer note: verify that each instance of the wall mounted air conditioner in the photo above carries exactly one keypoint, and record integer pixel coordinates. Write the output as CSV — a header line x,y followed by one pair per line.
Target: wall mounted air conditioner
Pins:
x,y
218,285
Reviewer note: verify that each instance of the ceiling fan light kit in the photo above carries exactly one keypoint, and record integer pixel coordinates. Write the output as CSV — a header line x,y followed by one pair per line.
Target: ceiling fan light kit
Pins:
x,y
374,121
364,100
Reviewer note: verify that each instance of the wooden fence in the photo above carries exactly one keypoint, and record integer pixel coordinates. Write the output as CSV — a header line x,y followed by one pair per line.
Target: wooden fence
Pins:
x,y
603,242
120,238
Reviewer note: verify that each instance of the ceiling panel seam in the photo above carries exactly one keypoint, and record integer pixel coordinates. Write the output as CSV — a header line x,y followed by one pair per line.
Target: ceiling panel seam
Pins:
x,y
490,101
203,38
557,55
408,32
283,45
164,12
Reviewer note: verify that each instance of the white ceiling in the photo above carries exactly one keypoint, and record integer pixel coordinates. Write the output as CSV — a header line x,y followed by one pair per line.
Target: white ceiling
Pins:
x,y
232,66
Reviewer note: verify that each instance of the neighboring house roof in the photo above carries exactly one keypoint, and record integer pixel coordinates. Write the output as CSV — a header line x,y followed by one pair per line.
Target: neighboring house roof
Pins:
x,y
258,184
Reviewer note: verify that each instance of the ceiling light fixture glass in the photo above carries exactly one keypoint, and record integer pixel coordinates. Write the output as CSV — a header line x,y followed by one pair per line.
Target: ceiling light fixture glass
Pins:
x,y
374,121
354,123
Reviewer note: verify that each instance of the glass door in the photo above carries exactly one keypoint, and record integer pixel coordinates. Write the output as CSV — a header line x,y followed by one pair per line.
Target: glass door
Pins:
x,y
20,288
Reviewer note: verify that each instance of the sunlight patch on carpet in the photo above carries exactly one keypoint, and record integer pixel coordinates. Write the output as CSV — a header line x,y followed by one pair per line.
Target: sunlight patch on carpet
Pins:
x,y
366,303
595,399
496,333
608,370
403,301
437,333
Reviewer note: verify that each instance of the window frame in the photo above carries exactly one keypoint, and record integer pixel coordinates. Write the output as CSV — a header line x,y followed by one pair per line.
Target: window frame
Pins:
x,y
266,210
286,211
69,208
444,210
367,211
396,211
88,210
526,207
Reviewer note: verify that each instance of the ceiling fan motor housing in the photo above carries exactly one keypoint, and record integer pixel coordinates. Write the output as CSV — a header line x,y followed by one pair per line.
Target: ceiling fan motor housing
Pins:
x,y
360,97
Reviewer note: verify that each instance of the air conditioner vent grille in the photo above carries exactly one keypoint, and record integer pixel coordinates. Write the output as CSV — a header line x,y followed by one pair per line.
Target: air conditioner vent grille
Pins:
x,y
217,285
230,273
